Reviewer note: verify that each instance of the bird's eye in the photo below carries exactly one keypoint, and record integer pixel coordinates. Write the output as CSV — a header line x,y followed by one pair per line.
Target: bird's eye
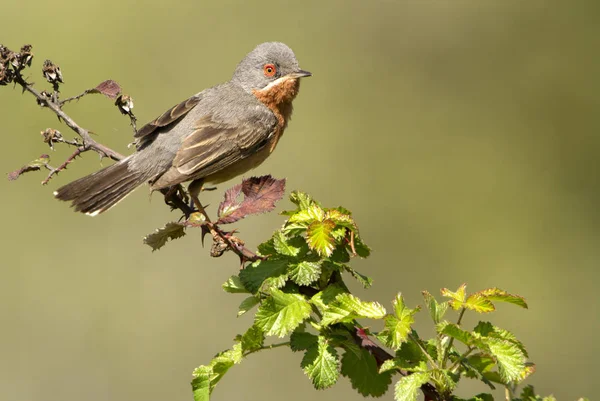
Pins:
x,y
269,70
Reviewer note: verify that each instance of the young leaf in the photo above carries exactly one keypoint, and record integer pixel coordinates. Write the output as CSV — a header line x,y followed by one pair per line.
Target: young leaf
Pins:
x,y
301,341
260,195
234,285
321,364
479,303
253,339
454,331
323,298
347,307
253,276
201,383
319,238
361,248
365,281
398,326
305,273
361,368
307,216
248,304
302,200
436,310
288,246
281,313
408,387
496,294
159,238
508,356
457,298
207,377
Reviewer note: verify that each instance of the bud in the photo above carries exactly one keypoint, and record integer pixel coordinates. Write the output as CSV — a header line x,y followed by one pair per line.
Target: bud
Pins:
x,y
51,136
124,103
26,55
52,72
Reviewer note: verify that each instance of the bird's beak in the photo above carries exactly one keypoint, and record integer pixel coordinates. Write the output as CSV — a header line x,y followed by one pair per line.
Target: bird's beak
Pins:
x,y
299,74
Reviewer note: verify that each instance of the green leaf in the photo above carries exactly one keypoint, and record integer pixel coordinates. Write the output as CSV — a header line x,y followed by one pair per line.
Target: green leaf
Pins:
x,y
281,313
301,199
436,310
206,377
285,246
305,273
160,236
479,303
340,219
408,387
321,364
361,248
457,298
253,339
496,294
486,329
365,281
410,353
454,331
508,356
398,326
275,282
253,276
247,304
323,298
361,368
234,285
319,237
300,341
397,363
347,307
267,248
307,216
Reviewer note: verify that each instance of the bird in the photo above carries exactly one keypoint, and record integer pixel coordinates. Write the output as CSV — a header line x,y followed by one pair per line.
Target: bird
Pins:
x,y
215,135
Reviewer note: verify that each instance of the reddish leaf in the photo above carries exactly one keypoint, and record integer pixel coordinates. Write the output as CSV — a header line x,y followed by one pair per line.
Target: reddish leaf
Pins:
x,y
108,88
260,195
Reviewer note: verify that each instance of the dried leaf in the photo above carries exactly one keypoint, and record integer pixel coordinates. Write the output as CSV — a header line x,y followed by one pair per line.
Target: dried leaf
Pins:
x,y
108,88
159,238
260,195
31,166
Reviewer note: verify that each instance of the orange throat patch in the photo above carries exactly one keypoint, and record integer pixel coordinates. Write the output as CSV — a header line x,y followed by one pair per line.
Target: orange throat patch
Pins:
x,y
279,99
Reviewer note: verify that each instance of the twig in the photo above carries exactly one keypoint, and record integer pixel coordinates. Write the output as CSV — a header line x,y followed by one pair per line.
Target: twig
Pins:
x,y
54,171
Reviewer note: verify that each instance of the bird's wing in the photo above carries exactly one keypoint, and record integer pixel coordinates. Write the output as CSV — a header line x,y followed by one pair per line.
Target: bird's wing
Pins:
x,y
214,146
168,117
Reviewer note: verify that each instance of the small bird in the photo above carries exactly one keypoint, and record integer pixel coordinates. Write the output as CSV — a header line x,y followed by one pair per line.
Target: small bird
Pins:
x,y
212,137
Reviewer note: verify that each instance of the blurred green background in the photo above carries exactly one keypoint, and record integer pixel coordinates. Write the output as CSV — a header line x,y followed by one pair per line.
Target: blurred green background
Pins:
x,y
462,134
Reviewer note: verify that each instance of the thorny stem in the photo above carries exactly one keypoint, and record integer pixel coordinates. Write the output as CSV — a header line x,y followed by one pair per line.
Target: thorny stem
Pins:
x,y
54,171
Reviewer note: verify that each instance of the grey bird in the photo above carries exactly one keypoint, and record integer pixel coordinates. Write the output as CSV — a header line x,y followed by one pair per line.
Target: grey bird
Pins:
x,y
212,137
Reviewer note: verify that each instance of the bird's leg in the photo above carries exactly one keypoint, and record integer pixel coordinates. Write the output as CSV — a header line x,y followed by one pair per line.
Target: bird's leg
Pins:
x,y
194,190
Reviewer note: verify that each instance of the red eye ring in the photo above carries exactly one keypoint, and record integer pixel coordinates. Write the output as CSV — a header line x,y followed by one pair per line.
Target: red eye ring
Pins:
x,y
269,70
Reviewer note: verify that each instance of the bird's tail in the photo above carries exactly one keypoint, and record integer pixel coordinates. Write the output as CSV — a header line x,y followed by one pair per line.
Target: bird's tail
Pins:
x,y
98,192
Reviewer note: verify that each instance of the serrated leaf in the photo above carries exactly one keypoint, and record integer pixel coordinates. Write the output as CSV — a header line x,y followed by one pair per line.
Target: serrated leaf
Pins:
x,y
307,216
360,247
159,238
323,298
253,339
206,377
267,248
304,273
457,298
365,281
247,304
319,238
479,303
281,313
321,364
288,246
361,368
454,331
339,255
396,363
234,285
108,88
301,199
436,310
410,353
486,329
508,356
340,219
260,196
398,326
300,341
496,294
347,307
408,387
252,276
